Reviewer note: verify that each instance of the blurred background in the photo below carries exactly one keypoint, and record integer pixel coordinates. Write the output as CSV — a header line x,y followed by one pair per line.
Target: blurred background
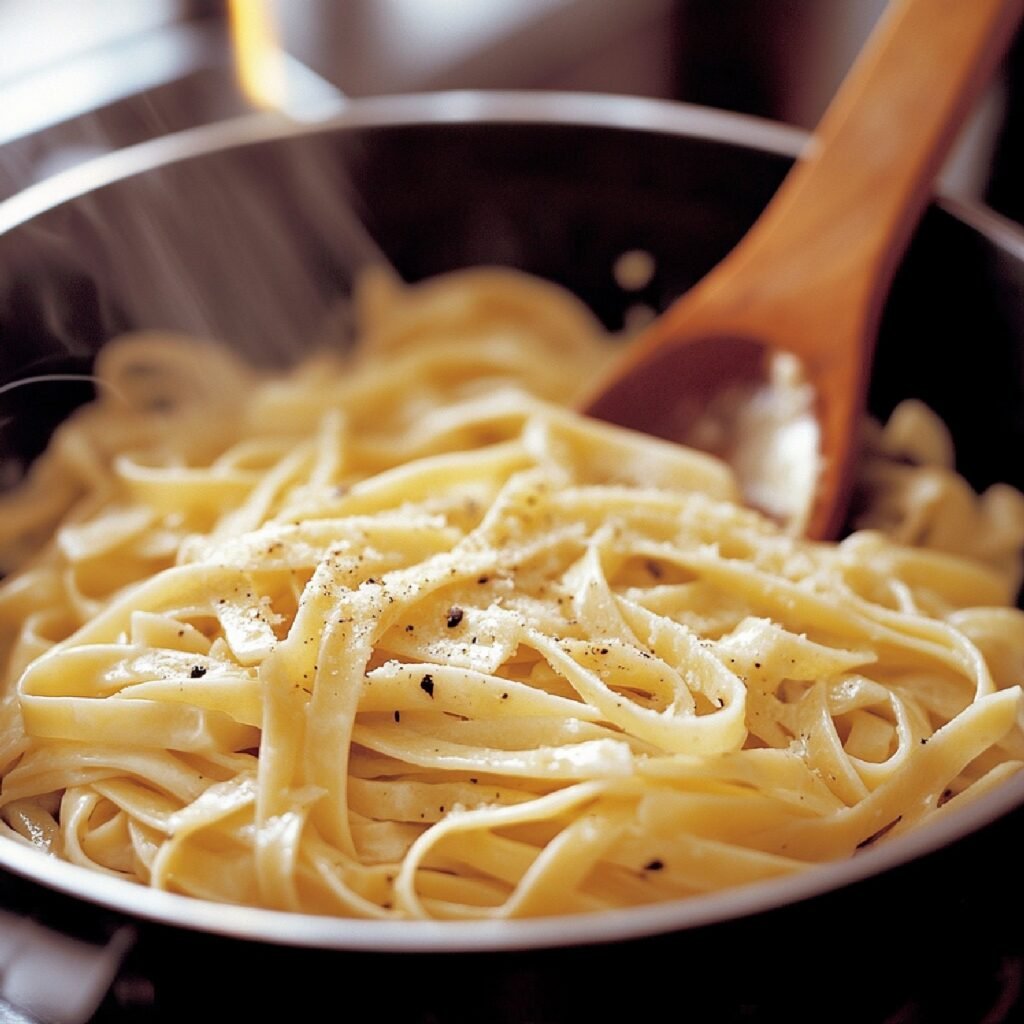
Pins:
x,y
80,77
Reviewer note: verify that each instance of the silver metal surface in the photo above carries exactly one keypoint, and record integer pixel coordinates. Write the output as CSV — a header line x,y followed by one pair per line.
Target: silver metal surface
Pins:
x,y
51,977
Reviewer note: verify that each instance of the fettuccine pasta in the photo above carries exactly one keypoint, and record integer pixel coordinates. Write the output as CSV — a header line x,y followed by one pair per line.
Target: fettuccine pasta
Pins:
x,y
397,634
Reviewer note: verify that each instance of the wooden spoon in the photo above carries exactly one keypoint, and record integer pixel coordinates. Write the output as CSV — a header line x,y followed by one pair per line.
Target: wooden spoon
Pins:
x,y
810,276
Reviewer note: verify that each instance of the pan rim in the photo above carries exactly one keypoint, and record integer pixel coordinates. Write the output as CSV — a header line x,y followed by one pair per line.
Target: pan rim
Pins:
x,y
599,110
451,107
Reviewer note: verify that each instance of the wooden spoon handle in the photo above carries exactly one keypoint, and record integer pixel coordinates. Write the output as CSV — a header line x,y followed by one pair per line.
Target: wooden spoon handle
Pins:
x,y
844,214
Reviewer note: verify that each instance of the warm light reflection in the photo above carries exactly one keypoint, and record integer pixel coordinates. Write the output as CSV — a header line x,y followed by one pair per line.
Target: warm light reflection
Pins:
x,y
259,61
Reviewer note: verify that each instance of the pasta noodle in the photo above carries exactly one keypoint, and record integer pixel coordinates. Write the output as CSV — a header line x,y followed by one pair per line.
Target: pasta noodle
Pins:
x,y
399,635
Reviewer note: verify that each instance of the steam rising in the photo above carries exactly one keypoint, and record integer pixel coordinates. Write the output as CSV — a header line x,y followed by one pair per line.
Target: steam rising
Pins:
x,y
251,245
257,246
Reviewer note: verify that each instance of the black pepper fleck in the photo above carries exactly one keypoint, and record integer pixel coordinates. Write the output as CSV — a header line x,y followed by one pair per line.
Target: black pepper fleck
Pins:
x,y
197,672
455,614
881,832
427,685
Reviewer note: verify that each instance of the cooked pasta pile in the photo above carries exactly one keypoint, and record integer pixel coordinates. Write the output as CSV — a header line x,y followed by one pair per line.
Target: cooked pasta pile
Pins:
x,y
399,635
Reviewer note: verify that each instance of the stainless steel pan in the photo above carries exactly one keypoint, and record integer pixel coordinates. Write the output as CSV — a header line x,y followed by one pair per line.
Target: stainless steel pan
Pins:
x,y
250,231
